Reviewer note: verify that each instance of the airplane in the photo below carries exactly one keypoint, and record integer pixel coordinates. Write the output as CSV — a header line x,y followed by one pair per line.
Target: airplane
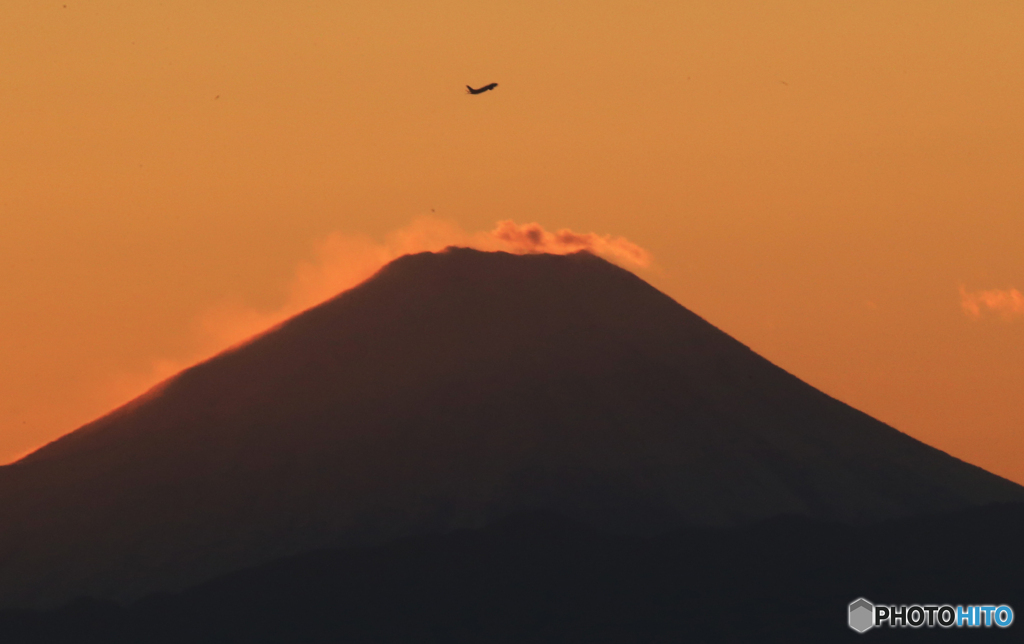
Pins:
x,y
483,89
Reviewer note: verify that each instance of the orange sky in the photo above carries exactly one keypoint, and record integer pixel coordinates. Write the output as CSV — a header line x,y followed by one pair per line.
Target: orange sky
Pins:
x,y
838,185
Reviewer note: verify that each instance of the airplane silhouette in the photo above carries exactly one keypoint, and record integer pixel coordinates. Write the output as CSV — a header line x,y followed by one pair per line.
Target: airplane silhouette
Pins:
x,y
481,90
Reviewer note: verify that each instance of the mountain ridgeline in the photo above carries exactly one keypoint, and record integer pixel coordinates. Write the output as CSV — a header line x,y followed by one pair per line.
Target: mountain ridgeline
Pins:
x,y
450,391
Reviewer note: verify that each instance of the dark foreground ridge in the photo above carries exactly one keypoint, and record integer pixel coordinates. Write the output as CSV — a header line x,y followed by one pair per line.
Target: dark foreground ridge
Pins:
x,y
447,392
540,578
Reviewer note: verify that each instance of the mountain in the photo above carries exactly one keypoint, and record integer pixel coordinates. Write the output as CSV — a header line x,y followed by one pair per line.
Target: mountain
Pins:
x,y
540,578
449,391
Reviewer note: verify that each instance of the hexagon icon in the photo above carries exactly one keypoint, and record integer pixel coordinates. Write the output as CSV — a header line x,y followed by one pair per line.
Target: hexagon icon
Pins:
x,y
862,615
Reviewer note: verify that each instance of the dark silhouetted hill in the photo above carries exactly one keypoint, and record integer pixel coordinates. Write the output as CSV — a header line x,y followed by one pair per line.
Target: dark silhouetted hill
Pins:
x,y
544,579
447,392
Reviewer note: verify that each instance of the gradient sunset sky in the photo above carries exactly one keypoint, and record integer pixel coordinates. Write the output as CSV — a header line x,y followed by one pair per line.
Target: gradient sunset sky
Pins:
x,y
840,186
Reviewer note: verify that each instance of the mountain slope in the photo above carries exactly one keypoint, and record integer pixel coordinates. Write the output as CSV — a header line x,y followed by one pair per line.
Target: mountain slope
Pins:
x,y
448,391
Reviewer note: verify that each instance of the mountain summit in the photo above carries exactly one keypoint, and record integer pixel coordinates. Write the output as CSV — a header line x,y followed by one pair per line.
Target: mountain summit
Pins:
x,y
451,390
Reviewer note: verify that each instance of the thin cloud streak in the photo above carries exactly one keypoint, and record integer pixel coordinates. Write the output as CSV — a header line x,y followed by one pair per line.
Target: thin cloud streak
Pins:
x,y
1008,303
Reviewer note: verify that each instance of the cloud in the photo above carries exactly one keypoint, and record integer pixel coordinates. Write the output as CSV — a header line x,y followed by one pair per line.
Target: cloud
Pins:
x,y
342,261
1007,303
339,262
336,263
532,238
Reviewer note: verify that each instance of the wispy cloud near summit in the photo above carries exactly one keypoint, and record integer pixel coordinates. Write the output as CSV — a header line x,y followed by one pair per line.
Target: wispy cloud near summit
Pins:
x,y
532,238
342,261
